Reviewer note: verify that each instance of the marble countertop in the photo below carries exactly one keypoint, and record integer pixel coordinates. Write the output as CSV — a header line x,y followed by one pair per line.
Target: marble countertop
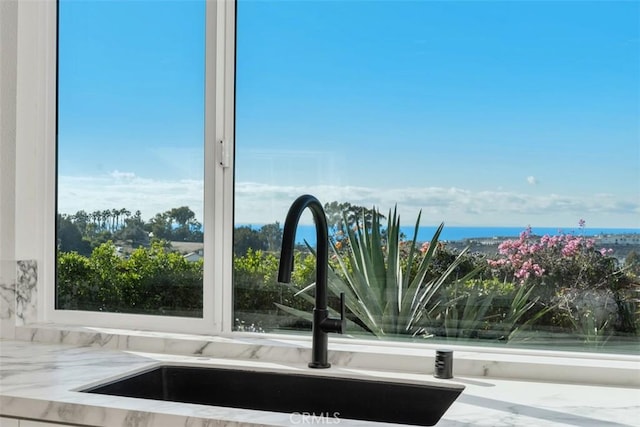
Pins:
x,y
40,381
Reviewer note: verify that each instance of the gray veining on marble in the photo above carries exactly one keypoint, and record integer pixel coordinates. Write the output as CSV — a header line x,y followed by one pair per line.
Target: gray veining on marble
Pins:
x,y
40,381
26,292
18,295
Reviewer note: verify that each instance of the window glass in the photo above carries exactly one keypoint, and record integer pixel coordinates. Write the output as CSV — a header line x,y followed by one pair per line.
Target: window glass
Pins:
x,y
514,123
130,152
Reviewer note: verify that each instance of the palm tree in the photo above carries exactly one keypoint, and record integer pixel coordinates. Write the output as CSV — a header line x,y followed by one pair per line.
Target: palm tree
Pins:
x,y
126,214
96,216
106,214
115,219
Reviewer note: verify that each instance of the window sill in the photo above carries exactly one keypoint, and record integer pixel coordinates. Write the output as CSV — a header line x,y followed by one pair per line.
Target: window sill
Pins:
x,y
507,363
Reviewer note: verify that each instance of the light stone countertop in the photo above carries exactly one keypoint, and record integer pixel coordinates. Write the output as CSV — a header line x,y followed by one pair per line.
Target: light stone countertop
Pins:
x,y
39,381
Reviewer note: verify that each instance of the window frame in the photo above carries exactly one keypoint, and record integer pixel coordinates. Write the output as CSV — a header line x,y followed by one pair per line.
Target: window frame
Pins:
x,y
36,171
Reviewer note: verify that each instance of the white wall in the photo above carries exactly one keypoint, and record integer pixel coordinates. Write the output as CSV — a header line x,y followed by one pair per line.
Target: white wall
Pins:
x,y
8,82
27,137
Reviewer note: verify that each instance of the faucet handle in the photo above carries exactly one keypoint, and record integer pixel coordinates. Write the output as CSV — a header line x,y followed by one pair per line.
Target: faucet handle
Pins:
x,y
330,324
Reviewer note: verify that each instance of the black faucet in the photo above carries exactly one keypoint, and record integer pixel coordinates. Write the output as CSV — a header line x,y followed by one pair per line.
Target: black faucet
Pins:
x,y
322,323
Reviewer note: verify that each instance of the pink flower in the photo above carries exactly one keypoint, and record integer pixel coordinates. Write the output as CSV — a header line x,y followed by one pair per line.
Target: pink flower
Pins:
x,y
526,233
571,248
549,241
523,254
536,247
497,263
537,270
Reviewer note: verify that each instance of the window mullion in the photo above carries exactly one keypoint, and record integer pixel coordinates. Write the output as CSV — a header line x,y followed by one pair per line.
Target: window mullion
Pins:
x,y
219,154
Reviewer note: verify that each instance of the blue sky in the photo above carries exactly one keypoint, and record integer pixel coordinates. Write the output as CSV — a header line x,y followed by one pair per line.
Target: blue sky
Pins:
x,y
476,112
131,88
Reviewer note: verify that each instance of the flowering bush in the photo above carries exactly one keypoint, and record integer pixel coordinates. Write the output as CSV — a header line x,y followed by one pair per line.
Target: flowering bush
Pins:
x,y
583,283
563,260
518,255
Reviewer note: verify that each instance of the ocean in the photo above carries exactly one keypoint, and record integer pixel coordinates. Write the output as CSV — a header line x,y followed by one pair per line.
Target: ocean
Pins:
x,y
308,232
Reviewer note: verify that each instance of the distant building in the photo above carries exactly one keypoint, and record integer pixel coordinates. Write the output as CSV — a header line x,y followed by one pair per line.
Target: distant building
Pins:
x,y
194,256
619,239
488,241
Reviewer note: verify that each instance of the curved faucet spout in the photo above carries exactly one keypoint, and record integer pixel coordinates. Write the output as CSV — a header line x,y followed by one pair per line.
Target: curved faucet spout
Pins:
x,y
322,241
322,324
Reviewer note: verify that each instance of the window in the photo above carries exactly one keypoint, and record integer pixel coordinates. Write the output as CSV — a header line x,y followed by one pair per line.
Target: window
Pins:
x,y
131,87
206,30
489,116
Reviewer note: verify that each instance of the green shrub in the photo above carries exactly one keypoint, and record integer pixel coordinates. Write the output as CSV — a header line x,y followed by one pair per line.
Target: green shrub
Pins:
x,y
151,281
257,291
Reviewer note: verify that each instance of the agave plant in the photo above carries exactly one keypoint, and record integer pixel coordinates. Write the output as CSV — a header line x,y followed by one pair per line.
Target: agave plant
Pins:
x,y
465,310
464,314
387,293
521,303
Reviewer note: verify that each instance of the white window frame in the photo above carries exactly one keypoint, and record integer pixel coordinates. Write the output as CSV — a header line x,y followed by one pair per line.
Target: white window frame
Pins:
x,y
35,198
34,201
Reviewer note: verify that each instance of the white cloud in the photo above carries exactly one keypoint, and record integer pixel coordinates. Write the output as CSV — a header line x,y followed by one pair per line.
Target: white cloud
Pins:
x,y
261,203
532,180
122,175
258,203
126,190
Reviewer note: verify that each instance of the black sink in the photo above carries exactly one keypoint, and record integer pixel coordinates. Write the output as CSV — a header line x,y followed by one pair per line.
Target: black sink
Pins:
x,y
322,396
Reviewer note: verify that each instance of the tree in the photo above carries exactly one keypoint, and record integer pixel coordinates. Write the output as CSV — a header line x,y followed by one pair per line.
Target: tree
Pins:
x,y
106,214
196,234
182,215
134,232
160,226
125,214
115,220
176,224
272,235
183,223
355,215
96,218
245,238
70,238
82,220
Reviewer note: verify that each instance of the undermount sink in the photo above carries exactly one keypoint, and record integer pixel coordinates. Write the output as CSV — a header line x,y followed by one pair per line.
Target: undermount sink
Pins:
x,y
379,400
